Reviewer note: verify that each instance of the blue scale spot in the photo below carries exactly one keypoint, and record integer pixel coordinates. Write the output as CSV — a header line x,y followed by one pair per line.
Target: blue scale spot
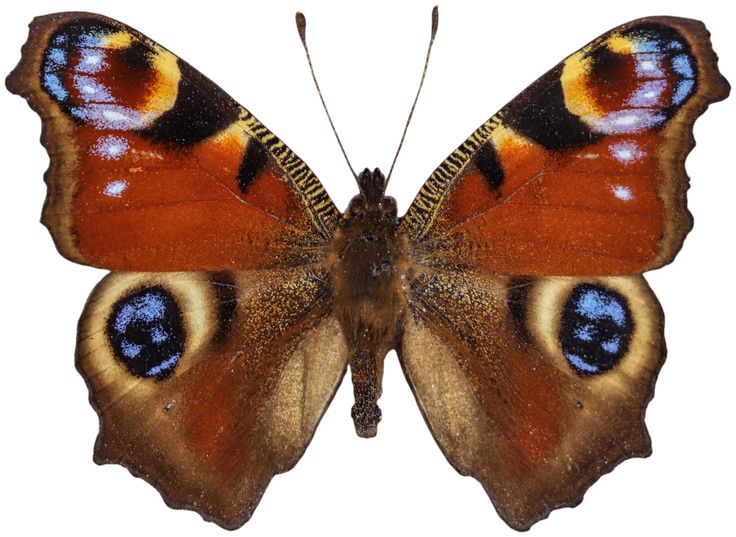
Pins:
x,y
55,60
648,46
682,91
584,333
158,335
52,83
56,57
74,48
79,112
581,365
612,345
90,40
146,332
595,328
130,350
594,304
682,64
163,367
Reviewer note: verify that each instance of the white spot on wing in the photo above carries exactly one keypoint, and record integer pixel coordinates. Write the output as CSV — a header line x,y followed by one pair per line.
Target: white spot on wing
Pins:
x,y
647,94
110,147
628,121
626,152
91,61
622,192
109,116
91,90
113,115
649,65
115,189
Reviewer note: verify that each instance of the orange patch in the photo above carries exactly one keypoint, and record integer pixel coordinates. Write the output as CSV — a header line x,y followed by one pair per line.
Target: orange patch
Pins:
x,y
189,197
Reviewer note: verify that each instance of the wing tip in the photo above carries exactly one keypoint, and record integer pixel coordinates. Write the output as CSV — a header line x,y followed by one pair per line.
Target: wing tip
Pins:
x,y
24,81
712,87
39,29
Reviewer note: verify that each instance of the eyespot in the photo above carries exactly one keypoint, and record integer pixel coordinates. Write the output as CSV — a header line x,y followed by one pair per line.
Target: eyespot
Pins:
x,y
142,329
82,66
146,332
595,328
661,68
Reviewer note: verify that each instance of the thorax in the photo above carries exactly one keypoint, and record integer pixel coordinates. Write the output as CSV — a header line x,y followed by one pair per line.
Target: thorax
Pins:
x,y
368,265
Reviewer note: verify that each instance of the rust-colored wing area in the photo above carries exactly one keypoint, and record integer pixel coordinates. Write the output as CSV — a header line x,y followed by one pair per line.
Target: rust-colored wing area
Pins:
x,y
154,167
583,173
209,384
534,386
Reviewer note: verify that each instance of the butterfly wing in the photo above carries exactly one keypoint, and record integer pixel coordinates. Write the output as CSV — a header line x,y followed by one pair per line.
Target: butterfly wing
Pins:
x,y
534,386
210,381
154,167
532,344
583,173
208,384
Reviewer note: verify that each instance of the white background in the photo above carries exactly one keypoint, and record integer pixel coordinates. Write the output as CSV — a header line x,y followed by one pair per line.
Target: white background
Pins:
x,y
368,56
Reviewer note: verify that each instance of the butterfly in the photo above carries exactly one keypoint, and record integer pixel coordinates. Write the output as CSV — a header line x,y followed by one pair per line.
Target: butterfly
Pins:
x,y
240,294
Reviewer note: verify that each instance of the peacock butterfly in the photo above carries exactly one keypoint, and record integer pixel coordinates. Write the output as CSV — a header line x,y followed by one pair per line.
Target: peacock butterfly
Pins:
x,y
536,313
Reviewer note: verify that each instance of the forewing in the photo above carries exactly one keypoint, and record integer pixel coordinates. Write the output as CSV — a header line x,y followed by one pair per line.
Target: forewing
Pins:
x,y
583,173
154,167
208,384
534,386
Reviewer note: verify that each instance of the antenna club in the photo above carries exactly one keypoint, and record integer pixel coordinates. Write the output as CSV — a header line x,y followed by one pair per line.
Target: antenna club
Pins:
x,y
301,25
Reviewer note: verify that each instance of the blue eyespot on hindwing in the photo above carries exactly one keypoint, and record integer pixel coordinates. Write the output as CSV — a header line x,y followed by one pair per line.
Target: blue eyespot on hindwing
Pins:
x,y
595,329
146,332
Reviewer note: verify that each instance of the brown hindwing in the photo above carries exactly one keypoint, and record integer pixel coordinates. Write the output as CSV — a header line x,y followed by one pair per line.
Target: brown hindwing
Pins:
x,y
208,384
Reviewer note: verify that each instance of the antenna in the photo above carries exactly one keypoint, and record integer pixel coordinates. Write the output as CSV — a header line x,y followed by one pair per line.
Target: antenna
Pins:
x,y
435,21
301,26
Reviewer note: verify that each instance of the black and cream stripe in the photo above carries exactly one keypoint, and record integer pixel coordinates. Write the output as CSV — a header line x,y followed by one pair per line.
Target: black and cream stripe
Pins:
x,y
423,210
322,212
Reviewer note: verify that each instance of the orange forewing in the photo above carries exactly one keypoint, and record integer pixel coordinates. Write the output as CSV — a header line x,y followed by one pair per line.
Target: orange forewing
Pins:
x,y
583,173
153,167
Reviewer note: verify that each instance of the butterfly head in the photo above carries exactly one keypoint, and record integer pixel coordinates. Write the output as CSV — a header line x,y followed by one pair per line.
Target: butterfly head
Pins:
x,y
372,201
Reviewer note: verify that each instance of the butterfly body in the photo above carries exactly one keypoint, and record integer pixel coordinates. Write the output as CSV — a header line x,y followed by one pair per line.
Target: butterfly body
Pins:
x,y
512,289
369,267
